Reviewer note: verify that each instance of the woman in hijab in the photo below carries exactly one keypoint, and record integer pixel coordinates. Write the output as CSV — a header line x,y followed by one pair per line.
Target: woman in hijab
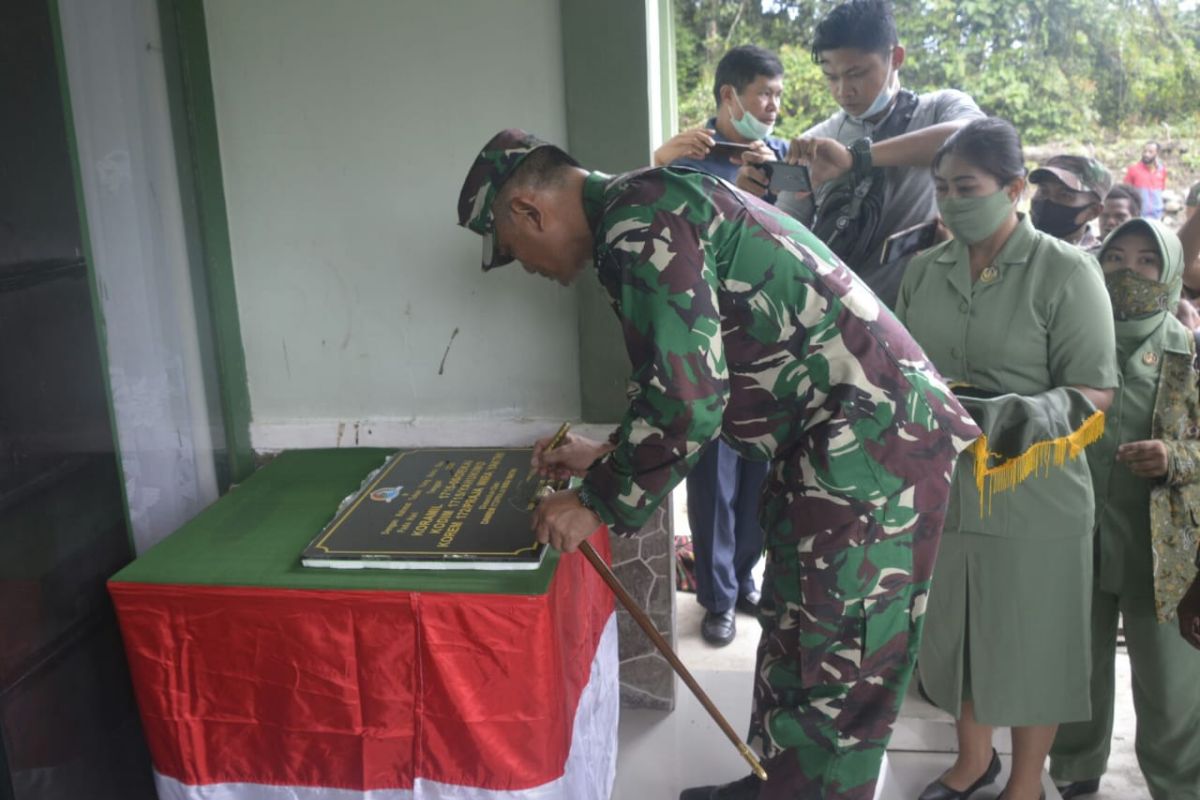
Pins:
x,y
1146,474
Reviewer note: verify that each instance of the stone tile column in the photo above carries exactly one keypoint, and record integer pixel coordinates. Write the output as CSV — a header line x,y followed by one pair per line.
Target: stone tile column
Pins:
x,y
646,566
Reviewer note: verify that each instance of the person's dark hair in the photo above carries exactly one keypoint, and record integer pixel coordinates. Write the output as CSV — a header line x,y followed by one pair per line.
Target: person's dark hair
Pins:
x,y
540,169
991,144
1152,143
1123,191
741,66
866,25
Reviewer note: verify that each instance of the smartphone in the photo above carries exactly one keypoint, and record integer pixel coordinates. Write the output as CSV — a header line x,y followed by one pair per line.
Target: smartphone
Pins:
x,y
908,242
788,177
726,150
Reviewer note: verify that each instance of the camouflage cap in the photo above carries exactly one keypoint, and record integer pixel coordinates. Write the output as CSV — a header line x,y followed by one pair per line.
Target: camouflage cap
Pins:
x,y
1078,173
498,159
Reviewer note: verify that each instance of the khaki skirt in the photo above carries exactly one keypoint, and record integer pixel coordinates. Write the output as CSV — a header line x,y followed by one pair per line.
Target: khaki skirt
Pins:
x,y
1008,627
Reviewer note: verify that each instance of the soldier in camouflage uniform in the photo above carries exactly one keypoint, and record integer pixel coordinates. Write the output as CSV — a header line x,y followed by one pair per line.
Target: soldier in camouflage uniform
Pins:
x,y
739,323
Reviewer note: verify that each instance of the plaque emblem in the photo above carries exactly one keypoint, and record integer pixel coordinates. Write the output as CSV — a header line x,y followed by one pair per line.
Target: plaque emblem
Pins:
x,y
386,494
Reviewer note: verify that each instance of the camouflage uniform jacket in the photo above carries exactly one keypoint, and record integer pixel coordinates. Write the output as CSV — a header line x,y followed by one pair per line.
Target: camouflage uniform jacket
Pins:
x,y
739,322
1175,502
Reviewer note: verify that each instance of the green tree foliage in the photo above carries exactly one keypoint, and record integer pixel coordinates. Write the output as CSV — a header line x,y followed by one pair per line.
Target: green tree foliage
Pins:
x,y
1055,68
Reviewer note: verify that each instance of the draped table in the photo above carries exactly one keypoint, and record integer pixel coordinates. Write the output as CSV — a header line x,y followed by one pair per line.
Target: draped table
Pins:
x,y
259,679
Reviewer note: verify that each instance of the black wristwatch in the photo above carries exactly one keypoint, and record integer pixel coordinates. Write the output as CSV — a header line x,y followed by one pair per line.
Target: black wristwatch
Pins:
x,y
584,499
860,151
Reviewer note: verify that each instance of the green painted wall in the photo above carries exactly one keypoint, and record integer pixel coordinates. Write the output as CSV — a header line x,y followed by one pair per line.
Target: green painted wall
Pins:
x,y
607,69
206,227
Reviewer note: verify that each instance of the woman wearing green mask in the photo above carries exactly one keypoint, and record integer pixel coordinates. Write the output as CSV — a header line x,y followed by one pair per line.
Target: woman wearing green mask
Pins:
x,y
1146,473
1024,320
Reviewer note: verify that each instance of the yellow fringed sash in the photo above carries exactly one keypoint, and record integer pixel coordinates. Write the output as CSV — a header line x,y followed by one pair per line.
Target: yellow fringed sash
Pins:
x,y
1035,461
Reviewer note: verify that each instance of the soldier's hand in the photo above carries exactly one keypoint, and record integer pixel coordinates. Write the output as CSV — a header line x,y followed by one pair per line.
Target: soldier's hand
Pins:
x,y
827,159
571,458
561,521
1189,615
1147,459
694,143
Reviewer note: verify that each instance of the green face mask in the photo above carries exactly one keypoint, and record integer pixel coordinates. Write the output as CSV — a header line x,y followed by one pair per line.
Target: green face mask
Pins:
x,y
749,126
973,219
1135,296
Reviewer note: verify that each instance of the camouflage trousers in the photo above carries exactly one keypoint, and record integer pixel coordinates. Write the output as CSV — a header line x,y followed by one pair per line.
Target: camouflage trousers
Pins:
x,y
843,604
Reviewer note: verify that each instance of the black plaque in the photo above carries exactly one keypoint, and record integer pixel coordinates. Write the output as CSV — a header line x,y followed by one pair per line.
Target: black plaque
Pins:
x,y
454,508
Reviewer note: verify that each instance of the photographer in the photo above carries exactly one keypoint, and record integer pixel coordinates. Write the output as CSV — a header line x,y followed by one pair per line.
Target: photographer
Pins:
x,y
723,489
883,134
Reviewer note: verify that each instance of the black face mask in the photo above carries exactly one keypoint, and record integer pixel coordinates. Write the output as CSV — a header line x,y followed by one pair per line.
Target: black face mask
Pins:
x,y
1054,218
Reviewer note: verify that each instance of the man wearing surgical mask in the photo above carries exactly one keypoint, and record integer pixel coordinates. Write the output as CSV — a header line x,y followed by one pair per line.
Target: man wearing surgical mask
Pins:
x,y
723,488
1070,194
880,125
747,88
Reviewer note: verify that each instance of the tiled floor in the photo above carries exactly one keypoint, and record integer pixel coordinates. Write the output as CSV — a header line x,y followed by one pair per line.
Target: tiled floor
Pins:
x,y
661,754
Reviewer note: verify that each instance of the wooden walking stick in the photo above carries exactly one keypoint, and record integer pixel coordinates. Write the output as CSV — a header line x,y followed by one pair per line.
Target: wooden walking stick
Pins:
x,y
644,622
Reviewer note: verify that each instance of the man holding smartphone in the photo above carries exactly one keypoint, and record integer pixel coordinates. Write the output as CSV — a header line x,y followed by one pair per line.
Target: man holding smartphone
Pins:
x,y
747,89
882,132
723,489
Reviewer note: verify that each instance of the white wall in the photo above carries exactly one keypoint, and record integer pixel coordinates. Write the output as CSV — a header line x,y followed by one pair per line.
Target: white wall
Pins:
x,y
345,131
165,428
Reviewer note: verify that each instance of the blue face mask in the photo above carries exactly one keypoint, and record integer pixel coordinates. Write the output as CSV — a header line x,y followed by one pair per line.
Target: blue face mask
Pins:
x,y
749,126
886,94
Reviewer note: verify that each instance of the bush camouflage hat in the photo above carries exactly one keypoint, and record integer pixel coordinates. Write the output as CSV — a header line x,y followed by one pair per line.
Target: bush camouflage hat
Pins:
x,y
498,159
1078,173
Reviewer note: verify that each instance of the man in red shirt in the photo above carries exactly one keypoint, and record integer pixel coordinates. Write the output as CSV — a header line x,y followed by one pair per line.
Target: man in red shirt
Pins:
x,y
1150,176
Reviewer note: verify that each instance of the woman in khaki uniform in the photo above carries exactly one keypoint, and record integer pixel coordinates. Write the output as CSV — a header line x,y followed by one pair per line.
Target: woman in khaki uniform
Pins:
x,y
1008,310
1146,473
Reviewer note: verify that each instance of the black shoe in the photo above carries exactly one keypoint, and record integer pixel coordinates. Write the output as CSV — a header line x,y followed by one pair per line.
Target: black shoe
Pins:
x,y
748,602
719,629
1079,788
745,789
924,694
940,791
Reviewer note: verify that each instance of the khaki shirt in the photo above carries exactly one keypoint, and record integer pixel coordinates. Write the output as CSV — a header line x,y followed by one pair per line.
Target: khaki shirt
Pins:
x,y
1038,318
1146,532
